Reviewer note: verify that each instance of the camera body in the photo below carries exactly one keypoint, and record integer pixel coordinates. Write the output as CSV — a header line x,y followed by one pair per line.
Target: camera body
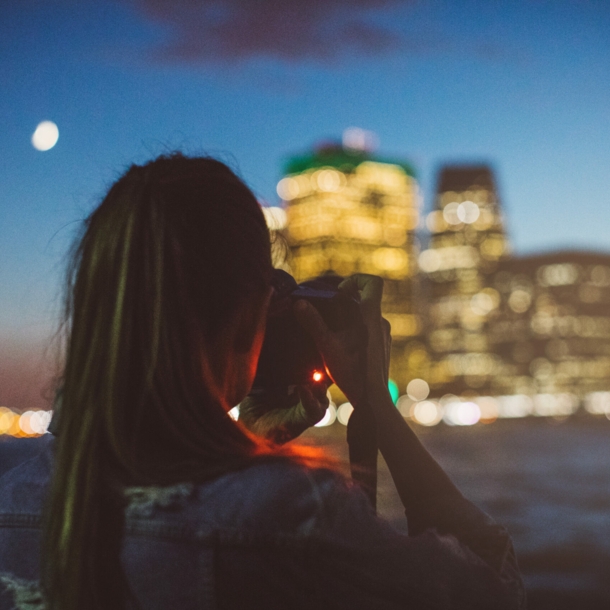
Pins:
x,y
289,356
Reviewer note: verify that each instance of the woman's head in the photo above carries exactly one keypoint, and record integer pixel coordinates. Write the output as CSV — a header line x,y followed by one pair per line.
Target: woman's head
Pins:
x,y
166,306
168,287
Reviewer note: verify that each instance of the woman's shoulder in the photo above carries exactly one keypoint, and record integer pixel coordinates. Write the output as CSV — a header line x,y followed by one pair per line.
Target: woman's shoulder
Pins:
x,y
271,494
280,476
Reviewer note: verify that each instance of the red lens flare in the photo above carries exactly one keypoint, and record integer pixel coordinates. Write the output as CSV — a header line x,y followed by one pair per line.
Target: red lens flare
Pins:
x,y
317,376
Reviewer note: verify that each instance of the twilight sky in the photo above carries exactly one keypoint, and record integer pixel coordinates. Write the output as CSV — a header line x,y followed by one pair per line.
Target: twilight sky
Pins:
x,y
523,84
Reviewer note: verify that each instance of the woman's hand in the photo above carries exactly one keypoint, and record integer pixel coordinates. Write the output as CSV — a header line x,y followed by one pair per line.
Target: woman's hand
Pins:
x,y
360,371
267,416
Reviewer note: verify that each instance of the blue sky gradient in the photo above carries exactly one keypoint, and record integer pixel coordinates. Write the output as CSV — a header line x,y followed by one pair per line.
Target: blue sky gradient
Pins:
x,y
524,85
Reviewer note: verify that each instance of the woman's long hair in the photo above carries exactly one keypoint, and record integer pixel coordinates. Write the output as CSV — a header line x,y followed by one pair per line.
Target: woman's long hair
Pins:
x,y
164,263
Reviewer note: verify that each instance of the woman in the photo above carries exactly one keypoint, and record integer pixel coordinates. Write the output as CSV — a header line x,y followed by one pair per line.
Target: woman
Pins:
x,y
158,499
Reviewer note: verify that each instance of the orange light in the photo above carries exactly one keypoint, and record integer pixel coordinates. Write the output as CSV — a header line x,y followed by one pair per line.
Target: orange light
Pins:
x,y
317,376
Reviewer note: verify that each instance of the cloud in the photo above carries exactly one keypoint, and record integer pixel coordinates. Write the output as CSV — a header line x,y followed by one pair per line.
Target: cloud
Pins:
x,y
290,30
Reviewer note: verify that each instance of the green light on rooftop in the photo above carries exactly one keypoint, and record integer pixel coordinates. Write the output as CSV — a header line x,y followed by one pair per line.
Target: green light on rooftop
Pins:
x,y
334,155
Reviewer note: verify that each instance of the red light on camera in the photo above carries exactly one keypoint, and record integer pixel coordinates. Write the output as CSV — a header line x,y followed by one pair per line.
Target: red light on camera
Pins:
x,y
317,376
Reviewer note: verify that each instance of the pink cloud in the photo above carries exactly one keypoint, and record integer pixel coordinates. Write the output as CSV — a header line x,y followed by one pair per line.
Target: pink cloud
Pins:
x,y
26,376
221,30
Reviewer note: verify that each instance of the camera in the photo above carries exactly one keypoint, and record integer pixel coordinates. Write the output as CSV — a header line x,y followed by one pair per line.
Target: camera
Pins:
x,y
289,356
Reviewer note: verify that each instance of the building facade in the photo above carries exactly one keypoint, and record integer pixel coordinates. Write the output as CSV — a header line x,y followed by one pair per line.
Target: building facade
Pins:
x,y
553,328
467,243
350,212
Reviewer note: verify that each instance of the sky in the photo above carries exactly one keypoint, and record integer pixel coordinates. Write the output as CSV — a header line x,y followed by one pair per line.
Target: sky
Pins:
x,y
522,84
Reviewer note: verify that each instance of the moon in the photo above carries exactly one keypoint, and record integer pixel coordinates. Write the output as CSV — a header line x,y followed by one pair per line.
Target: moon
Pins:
x,y
45,136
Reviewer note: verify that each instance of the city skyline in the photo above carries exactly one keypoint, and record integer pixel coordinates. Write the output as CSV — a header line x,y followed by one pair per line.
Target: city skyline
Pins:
x,y
520,84
448,271
478,333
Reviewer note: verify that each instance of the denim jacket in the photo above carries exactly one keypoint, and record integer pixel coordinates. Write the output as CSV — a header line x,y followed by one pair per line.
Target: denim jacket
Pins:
x,y
273,535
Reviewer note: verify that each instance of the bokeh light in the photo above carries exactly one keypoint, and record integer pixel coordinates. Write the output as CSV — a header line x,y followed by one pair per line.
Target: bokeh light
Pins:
x,y
450,213
597,403
468,212
28,423
517,405
329,417
344,412
458,413
489,409
24,422
418,389
404,404
358,139
328,180
6,420
426,413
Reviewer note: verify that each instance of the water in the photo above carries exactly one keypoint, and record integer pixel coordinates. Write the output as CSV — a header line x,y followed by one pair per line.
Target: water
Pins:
x,y
547,482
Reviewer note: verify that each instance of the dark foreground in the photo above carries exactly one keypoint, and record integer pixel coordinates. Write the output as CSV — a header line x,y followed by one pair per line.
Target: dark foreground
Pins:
x,y
549,483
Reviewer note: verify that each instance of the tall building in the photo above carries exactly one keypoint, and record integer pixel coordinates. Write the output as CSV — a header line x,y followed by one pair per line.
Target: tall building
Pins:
x,y
350,212
467,242
553,327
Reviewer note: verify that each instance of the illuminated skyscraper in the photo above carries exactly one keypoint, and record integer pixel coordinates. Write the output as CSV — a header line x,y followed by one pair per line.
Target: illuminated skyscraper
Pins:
x,y
553,331
467,241
349,212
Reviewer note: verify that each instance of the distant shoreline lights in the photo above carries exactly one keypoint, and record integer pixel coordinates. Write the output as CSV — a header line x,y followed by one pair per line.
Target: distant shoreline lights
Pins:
x,y
451,410
26,424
